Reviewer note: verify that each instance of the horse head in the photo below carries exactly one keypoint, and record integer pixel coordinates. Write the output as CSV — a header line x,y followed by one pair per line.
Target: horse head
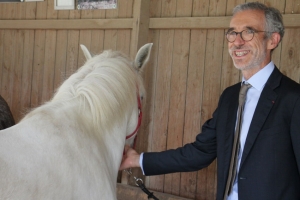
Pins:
x,y
135,118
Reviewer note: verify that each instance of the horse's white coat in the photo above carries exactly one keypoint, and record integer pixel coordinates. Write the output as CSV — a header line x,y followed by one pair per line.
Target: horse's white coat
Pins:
x,y
71,147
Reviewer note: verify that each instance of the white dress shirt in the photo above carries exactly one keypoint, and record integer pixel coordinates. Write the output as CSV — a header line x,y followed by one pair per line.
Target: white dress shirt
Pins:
x,y
258,82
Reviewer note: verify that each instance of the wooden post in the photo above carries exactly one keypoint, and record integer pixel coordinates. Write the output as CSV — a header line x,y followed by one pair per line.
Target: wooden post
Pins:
x,y
139,37
140,27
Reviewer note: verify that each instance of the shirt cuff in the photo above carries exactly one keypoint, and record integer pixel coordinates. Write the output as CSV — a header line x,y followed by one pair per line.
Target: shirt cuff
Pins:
x,y
141,162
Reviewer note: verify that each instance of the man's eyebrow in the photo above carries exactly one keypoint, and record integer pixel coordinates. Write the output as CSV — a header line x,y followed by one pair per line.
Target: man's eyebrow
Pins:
x,y
230,29
250,28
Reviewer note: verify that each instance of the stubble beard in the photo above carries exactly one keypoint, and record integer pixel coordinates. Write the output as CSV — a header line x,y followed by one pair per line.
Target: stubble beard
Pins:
x,y
255,62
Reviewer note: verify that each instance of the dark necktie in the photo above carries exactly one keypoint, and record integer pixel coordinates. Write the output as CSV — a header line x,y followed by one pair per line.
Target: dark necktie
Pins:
x,y
236,142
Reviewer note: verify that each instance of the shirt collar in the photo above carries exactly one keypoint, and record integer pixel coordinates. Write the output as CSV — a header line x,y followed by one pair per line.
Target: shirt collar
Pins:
x,y
259,79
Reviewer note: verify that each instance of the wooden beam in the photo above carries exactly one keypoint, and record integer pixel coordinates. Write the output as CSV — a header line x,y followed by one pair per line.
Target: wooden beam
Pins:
x,y
289,20
139,23
189,23
68,24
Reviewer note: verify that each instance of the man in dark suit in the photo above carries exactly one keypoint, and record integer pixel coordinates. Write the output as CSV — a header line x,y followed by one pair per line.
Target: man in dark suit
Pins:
x,y
269,156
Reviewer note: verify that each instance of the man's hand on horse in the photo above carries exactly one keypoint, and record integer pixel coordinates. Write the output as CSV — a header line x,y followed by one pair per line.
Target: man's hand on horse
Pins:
x,y
130,158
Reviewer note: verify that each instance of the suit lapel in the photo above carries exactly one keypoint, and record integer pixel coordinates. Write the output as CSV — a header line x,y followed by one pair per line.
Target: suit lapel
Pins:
x,y
264,105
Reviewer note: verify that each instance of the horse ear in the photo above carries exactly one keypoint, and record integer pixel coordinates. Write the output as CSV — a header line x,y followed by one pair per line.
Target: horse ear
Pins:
x,y
142,56
86,52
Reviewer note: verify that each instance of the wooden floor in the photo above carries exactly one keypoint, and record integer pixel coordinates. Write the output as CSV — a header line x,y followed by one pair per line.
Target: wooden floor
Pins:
x,y
127,192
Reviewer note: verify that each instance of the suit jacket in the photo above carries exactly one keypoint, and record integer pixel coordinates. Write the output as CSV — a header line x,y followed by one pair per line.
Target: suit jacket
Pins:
x,y
270,165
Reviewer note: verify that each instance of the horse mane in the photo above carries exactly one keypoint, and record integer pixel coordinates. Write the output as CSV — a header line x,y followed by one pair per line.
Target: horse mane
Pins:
x,y
104,88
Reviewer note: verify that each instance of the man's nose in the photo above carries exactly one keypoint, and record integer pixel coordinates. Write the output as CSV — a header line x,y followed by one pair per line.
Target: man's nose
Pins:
x,y
239,40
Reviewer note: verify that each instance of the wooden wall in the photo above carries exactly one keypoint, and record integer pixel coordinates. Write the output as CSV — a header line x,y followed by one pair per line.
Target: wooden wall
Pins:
x,y
188,70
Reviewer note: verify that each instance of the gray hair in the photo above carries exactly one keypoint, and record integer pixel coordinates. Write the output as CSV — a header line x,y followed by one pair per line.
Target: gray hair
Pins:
x,y
274,22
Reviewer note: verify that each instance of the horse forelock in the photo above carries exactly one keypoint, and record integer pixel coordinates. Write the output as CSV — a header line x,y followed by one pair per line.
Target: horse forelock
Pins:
x,y
104,88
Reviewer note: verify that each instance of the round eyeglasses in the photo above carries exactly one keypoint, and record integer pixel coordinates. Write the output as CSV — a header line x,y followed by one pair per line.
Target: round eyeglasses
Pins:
x,y
246,35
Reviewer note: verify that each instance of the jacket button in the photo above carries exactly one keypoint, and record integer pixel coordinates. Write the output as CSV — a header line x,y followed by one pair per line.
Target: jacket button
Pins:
x,y
243,178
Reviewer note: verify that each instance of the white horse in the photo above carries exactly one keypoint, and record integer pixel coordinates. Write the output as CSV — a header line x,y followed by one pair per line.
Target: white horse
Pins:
x,y
71,147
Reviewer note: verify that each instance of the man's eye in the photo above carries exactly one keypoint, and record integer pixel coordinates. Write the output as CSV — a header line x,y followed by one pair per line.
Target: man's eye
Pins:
x,y
249,31
231,33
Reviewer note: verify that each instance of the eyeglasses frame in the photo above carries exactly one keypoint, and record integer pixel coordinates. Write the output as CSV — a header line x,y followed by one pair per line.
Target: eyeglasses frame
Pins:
x,y
240,33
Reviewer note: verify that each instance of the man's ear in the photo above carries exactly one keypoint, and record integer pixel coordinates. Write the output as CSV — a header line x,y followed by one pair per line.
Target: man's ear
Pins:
x,y
273,41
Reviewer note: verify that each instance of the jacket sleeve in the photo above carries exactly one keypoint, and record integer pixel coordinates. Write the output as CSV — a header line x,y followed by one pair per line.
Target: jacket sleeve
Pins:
x,y
190,157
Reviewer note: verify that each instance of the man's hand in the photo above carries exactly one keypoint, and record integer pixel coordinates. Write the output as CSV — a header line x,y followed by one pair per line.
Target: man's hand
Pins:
x,y
130,159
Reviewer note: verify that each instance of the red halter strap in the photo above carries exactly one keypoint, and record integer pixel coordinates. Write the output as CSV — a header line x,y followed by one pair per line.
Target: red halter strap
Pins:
x,y
139,120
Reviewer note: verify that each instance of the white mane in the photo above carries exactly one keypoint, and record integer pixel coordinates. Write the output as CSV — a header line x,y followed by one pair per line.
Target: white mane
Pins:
x,y
103,88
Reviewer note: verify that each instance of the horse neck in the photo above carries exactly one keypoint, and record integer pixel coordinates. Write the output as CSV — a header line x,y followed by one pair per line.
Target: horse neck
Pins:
x,y
110,142
104,148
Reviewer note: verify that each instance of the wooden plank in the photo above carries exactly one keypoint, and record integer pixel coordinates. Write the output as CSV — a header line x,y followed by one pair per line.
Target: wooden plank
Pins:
x,y
126,192
292,7
97,36
38,67
123,45
27,72
145,132
27,66
49,61
192,121
39,57
162,96
189,23
290,21
19,13
290,55
51,12
72,53
2,12
178,80
73,47
8,12
150,76
206,182
110,36
194,87
79,24
124,42
63,14
30,11
156,139
41,10
1,57
60,52
17,74
124,36
84,36
60,58
145,141
276,55
8,65
139,34
49,66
